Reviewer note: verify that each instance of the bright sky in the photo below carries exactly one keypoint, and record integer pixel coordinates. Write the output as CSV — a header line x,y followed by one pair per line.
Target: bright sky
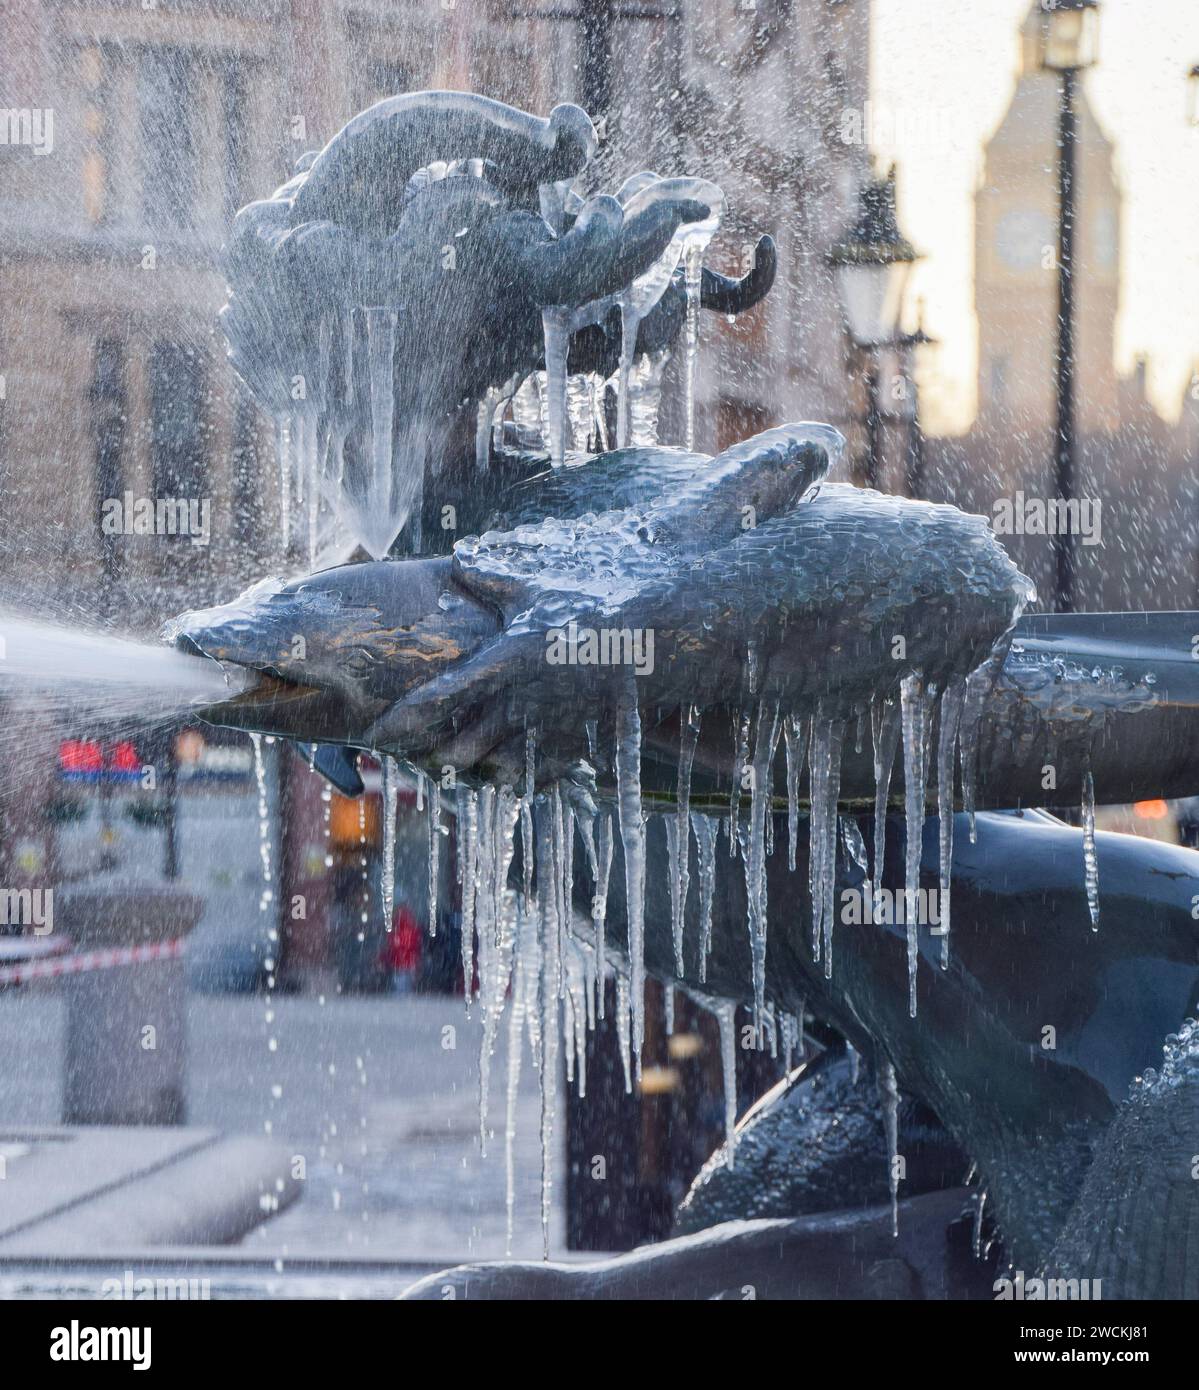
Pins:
x,y
962,59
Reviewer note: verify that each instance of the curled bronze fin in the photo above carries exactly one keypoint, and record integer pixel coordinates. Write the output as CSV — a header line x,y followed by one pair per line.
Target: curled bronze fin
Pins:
x,y
727,295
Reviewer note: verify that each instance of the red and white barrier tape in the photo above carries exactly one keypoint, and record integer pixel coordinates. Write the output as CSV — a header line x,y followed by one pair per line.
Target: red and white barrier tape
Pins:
x,y
90,960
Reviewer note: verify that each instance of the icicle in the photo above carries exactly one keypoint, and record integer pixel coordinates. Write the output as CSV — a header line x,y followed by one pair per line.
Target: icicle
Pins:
x,y
889,1094
632,836
825,791
580,409
726,1018
526,816
496,920
951,718
526,410
673,854
623,1033
381,333
978,686
740,762
754,852
599,903
525,969
855,846
515,1027
585,820
976,1238
495,887
434,818
477,824
886,739
645,398
914,704
549,1007
555,323
680,878
630,323
757,943
563,875
1090,857
391,775
693,261
668,1009
468,810
795,738
855,1063
578,988
705,830
267,895
283,459
790,1029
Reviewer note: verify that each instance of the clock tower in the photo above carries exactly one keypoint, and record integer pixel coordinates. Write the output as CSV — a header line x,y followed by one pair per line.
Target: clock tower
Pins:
x,y
1015,275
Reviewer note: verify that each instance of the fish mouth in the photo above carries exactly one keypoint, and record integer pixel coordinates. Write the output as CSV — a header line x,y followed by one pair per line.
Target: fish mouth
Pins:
x,y
269,699
273,704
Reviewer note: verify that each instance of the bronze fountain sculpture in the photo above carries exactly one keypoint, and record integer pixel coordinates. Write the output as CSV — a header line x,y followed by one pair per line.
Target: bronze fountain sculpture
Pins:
x,y
602,636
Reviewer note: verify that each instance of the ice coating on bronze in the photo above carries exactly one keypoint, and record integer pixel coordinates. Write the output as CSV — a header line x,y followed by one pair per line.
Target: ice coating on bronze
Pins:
x,y
1133,1226
364,170
429,216
462,645
541,575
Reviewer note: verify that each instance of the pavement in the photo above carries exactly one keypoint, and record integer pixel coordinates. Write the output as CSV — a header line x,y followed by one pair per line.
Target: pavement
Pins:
x,y
378,1096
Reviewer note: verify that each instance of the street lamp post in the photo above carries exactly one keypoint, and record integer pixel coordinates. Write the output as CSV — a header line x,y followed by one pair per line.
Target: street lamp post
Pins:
x,y
1068,44
1193,95
597,21
872,263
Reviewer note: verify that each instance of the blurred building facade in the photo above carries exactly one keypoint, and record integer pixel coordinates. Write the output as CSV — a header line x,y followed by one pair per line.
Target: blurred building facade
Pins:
x,y
164,118
167,117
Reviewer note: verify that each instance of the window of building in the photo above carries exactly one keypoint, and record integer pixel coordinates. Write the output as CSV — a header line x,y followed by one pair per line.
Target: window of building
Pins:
x,y
177,420
234,88
107,395
168,138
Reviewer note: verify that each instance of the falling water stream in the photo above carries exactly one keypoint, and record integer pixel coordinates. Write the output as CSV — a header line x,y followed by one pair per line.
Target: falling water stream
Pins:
x,y
110,677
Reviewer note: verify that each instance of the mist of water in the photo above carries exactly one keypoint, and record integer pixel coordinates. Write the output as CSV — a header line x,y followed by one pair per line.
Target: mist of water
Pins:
x,y
75,670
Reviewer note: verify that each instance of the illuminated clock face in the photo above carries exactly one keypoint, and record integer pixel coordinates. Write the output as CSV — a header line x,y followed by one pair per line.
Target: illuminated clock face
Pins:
x,y
1021,238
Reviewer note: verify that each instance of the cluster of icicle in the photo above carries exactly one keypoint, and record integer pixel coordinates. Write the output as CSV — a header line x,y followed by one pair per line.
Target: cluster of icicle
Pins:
x,y
531,953
562,409
904,723
319,508
311,440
